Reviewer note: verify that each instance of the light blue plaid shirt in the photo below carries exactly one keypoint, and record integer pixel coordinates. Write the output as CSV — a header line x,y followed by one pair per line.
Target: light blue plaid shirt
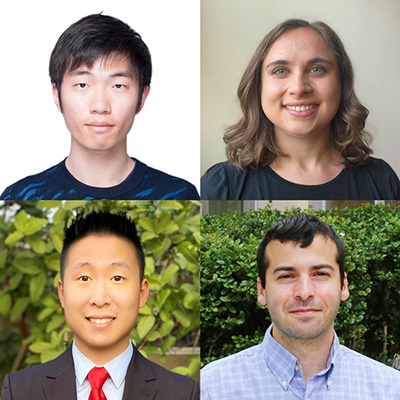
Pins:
x,y
269,371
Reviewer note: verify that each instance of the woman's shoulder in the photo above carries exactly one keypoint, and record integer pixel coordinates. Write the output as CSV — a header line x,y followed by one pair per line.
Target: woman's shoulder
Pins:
x,y
219,181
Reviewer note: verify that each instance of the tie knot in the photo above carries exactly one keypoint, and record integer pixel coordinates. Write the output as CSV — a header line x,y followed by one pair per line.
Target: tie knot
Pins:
x,y
97,376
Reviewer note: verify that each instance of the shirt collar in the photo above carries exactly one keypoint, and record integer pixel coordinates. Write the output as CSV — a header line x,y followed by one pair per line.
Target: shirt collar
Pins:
x,y
284,365
116,368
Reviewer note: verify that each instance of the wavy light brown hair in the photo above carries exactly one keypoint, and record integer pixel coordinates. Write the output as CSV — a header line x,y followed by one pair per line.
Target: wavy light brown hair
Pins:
x,y
251,142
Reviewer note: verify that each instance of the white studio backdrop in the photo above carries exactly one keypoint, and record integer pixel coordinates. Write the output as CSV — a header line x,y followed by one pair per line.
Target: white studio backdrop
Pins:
x,y
165,134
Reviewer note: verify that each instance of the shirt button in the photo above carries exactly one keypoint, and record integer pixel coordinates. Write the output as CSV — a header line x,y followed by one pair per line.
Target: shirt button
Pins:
x,y
296,368
284,383
329,383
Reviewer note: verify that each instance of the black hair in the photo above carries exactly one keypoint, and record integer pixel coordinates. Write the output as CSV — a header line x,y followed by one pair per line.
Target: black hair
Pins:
x,y
102,224
299,228
96,36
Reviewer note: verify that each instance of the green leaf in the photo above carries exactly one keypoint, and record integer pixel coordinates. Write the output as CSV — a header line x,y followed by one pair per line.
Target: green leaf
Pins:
x,y
58,241
149,266
53,261
145,324
3,258
28,224
191,300
148,235
15,280
45,313
40,347
162,297
27,263
182,318
147,223
37,285
18,308
169,228
55,323
169,273
189,252
5,304
167,344
13,238
49,355
166,327
170,205
145,310
152,336
37,244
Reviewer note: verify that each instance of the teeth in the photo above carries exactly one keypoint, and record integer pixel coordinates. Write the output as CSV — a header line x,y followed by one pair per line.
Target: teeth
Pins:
x,y
100,320
301,108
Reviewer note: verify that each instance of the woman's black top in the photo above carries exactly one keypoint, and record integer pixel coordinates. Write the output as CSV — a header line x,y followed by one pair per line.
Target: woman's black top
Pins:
x,y
374,180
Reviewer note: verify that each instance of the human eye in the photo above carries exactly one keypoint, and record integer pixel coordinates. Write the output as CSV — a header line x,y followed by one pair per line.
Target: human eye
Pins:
x,y
285,277
84,278
318,69
81,85
120,86
280,71
117,278
321,274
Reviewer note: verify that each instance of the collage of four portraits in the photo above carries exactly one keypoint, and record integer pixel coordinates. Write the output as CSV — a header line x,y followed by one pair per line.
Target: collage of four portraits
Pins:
x,y
201,200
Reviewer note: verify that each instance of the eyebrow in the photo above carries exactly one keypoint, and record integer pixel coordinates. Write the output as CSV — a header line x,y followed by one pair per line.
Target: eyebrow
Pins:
x,y
113,264
290,268
80,72
311,61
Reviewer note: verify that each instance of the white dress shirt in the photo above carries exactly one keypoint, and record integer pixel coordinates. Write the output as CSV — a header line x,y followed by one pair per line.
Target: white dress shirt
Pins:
x,y
114,386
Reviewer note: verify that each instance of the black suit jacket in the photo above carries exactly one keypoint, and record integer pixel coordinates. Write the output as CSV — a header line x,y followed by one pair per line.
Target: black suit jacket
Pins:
x,y
55,379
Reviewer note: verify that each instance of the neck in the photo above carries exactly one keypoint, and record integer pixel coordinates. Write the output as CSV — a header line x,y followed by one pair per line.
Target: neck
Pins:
x,y
99,168
311,354
308,160
102,356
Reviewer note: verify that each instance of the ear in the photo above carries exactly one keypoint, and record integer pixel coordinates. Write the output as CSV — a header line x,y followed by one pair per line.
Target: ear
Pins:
x,y
345,289
261,293
145,93
56,97
144,292
61,293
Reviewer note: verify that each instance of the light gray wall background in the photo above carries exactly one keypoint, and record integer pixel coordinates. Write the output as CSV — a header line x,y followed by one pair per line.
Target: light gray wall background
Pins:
x,y
232,29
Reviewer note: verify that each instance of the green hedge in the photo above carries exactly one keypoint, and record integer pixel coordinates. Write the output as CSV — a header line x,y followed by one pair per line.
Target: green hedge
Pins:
x,y
231,318
31,235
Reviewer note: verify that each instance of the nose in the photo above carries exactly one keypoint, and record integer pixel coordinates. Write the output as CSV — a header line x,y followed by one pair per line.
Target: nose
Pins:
x,y
99,102
99,296
304,289
299,84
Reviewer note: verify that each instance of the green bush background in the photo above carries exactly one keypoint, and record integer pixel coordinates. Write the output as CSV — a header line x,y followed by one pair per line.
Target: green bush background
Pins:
x,y
31,236
368,322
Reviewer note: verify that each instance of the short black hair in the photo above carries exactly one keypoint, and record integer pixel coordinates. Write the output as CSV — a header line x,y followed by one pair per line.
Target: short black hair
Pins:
x,y
97,36
299,228
102,224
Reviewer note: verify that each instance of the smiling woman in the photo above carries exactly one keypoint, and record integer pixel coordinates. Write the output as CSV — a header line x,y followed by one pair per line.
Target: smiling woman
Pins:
x,y
302,132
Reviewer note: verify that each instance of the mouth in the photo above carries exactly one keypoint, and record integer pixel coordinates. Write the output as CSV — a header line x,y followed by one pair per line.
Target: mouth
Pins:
x,y
301,110
304,311
100,320
100,127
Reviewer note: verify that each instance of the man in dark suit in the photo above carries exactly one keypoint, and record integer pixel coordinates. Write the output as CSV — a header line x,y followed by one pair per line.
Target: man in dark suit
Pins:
x,y
101,290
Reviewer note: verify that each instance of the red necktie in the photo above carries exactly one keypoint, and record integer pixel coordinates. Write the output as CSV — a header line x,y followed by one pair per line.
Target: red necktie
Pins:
x,y
97,376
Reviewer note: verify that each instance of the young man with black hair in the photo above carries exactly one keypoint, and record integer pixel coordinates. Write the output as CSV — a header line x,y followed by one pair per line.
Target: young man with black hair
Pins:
x,y
100,70
101,290
302,281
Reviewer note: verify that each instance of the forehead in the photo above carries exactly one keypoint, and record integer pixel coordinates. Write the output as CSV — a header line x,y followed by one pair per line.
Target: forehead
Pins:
x,y
322,250
109,64
301,43
102,250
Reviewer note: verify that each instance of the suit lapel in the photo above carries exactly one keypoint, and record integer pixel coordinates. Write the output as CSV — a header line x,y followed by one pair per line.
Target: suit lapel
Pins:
x,y
140,379
60,378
